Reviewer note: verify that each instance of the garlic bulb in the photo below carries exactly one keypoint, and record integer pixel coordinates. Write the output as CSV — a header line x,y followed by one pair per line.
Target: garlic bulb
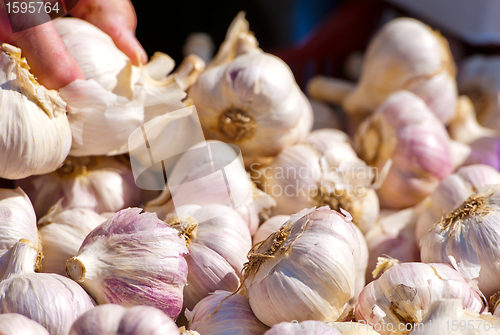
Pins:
x,y
447,317
250,98
404,130
307,270
52,300
36,134
17,324
404,292
102,184
268,227
452,192
62,232
116,97
232,316
218,241
17,221
133,259
324,116
111,319
468,238
320,328
406,55
323,171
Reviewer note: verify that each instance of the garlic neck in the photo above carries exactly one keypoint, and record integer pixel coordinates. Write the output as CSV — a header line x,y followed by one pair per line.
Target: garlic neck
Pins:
x,y
383,264
22,260
237,124
474,205
493,302
335,199
77,166
186,225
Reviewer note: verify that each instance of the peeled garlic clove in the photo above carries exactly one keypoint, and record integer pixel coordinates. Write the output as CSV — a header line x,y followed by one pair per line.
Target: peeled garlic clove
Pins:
x,y
404,292
16,324
296,274
102,184
268,227
232,317
33,121
111,319
133,259
406,55
452,192
218,241
62,232
52,300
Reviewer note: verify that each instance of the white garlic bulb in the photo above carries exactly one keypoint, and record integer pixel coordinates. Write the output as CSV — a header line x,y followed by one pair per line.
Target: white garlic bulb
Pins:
x,y
102,184
52,300
232,316
307,270
37,136
468,238
62,232
404,130
18,324
250,98
116,98
218,241
133,259
111,319
406,55
17,221
268,227
320,328
404,292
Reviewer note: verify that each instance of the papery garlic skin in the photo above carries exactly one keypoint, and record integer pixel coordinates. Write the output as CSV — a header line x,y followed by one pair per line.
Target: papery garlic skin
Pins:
x,y
133,259
52,300
320,328
233,316
268,227
62,232
18,324
36,134
111,319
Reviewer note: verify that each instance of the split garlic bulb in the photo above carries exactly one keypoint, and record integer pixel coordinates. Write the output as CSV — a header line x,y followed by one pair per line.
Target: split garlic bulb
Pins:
x,y
133,259
111,319
250,98
468,238
36,134
268,227
102,184
218,241
62,232
320,328
307,270
452,192
404,292
404,130
232,316
17,324
52,300
407,55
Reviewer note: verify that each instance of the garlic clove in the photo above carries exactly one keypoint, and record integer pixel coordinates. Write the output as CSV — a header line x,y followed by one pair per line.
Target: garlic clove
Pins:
x,y
16,324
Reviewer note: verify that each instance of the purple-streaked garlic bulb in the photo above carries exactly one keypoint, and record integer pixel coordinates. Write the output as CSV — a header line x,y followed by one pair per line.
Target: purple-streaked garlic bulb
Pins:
x,y
404,292
404,130
133,259
112,319
102,184
307,270
218,241
62,233
18,324
452,192
52,300
268,227
215,316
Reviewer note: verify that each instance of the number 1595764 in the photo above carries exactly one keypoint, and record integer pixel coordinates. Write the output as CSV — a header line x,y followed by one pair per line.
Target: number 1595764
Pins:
x,y
31,7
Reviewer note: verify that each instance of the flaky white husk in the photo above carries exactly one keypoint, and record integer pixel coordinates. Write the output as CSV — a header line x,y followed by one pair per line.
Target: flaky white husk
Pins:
x,y
116,97
233,317
218,242
52,300
133,259
17,221
452,192
447,317
36,136
404,130
305,271
112,319
102,184
320,328
62,232
405,291
468,238
18,324
407,54
268,227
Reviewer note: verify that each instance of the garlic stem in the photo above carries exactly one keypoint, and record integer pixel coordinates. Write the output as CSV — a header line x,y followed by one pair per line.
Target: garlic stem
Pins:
x,y
188,72
22,260
328,89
